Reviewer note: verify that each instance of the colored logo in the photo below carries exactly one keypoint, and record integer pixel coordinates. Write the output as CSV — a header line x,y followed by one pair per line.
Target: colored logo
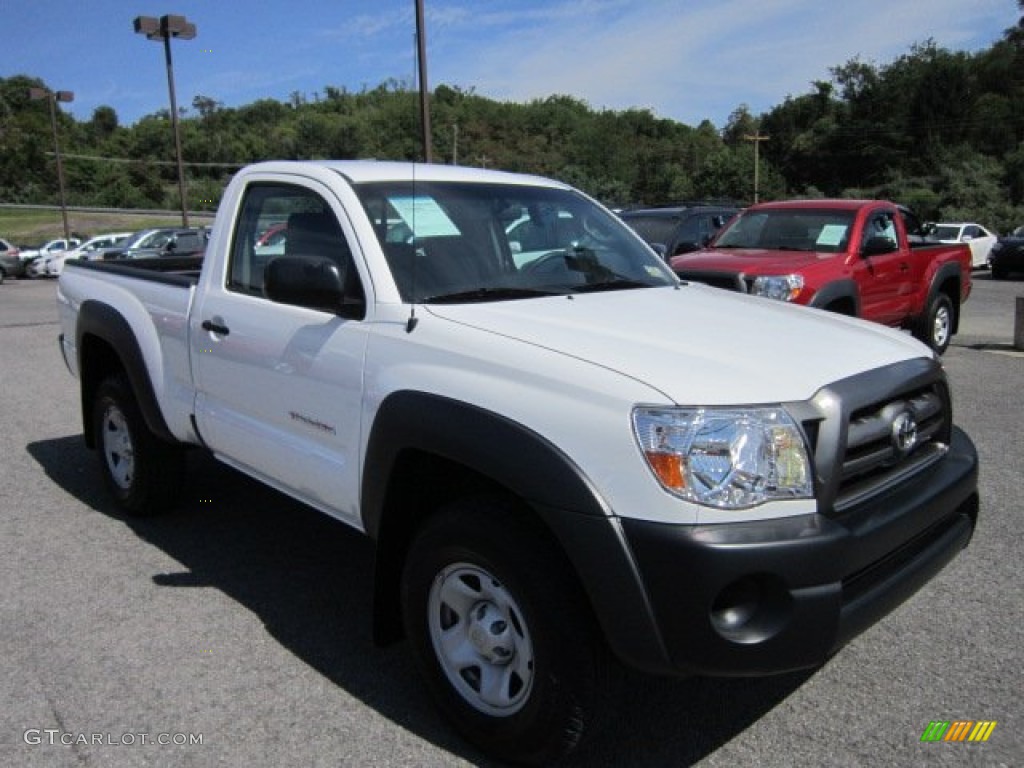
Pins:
x,y
958,730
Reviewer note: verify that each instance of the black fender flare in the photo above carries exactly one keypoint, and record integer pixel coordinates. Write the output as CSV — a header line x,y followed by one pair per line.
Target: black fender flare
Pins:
x,y
948,271
544,478
840,289
102,321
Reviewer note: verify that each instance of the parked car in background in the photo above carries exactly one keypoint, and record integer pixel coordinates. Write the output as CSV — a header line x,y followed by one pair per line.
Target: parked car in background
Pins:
x,y
854,257
165,241
672,230
979,239
49,249
1007,255
271,242
54,265
11,264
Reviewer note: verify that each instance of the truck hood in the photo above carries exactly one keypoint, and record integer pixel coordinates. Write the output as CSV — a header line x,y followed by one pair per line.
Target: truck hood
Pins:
x,y
749,260
696,345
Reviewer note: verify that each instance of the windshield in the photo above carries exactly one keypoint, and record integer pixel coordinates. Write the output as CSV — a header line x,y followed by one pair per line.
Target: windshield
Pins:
x,y
946,232
462,241
818,230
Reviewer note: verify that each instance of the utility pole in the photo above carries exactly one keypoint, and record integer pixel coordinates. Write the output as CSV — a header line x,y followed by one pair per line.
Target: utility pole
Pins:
x,y
757,138
455,144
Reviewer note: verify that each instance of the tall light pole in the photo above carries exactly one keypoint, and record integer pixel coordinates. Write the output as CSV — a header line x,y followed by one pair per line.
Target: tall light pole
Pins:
x,y
164,29
54,97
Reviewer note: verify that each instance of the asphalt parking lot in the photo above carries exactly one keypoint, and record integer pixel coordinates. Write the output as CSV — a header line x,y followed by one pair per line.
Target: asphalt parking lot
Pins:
x,y
236,630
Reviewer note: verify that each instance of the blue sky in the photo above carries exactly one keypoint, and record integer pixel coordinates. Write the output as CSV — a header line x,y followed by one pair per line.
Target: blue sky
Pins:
x,y
683,59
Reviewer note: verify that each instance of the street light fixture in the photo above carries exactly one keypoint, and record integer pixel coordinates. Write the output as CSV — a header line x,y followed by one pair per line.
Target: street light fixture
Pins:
x,y
164,29
54,97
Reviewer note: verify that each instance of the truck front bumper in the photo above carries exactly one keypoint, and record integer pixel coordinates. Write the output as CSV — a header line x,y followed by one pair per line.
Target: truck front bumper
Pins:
x,y
772,596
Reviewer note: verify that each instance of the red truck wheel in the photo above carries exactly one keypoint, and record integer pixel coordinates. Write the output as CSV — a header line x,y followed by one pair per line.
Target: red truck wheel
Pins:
x,y
936,329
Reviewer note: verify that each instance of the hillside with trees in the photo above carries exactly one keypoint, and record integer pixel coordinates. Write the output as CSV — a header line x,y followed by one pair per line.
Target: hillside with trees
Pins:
x,y
940,130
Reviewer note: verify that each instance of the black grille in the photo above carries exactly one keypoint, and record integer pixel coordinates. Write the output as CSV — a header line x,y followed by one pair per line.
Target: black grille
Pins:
x,y
860,431
728,281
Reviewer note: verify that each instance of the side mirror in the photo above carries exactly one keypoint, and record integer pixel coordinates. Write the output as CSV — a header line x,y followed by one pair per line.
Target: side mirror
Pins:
x,y
660,249
313,282
878,245
966,238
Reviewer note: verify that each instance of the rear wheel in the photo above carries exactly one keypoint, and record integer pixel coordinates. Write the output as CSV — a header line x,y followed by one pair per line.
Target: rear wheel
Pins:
x,y
936,328
998,273
499,629
142,472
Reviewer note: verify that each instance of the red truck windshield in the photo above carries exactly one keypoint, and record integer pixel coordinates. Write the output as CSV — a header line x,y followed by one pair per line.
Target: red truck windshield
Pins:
x,y
820,230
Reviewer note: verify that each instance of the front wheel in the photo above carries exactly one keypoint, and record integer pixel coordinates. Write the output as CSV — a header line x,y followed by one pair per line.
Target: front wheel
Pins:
x,y
936,329
499,629
143,473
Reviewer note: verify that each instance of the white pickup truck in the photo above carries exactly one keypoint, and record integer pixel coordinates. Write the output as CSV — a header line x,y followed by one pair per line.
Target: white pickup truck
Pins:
x,y
566,457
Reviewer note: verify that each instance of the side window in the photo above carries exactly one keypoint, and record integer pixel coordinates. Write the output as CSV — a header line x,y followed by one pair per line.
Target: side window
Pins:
x,y
689,231
280,219
880,226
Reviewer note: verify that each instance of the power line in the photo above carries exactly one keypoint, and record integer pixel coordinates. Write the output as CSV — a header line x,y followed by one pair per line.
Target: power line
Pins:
x,y
143,161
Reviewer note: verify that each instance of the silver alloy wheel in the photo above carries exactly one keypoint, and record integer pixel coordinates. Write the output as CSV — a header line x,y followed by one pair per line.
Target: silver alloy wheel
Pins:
x,y
941,326
118,450
481,639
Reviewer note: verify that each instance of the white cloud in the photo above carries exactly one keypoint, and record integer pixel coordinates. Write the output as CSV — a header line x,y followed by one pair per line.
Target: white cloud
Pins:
x,y
691,60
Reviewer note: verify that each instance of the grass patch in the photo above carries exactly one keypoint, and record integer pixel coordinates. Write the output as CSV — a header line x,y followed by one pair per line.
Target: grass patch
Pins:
x,y
32,227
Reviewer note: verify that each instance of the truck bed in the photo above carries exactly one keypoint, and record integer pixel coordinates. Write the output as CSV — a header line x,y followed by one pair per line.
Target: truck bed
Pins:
x,y
176,270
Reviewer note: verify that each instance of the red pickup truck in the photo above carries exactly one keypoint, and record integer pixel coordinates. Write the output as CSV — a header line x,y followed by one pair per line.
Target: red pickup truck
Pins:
x,y
864,258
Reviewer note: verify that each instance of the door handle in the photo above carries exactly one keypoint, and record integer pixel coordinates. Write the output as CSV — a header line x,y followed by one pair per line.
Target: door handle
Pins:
x,y
212,327
904,267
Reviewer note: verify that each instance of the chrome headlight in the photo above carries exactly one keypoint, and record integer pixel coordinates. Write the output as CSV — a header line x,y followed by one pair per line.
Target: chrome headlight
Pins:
x,y
729,458
781,287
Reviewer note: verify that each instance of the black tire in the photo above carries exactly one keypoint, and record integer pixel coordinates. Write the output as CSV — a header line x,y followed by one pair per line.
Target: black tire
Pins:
x,y
143,473
936,327
503,607
998,273
2,275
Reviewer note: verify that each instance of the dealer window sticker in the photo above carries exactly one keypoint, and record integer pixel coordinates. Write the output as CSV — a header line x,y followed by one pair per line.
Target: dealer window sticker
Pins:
x,y
831,234
424,216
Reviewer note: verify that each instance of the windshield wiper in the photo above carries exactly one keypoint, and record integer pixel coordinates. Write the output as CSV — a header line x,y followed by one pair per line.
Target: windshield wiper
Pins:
x,y
616,283
488,294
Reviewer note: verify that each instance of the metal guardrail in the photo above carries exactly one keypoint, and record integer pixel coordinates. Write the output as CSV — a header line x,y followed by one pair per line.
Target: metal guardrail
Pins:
x,y
96,209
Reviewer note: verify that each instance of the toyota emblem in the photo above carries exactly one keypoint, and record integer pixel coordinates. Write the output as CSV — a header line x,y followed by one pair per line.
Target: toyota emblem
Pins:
x,y
904,433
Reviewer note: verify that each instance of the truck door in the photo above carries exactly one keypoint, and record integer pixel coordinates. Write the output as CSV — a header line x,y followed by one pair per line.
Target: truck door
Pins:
x,y
279,387
885,273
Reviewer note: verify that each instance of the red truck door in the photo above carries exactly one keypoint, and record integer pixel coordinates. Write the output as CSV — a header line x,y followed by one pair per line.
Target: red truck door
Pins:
x,y
885,273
